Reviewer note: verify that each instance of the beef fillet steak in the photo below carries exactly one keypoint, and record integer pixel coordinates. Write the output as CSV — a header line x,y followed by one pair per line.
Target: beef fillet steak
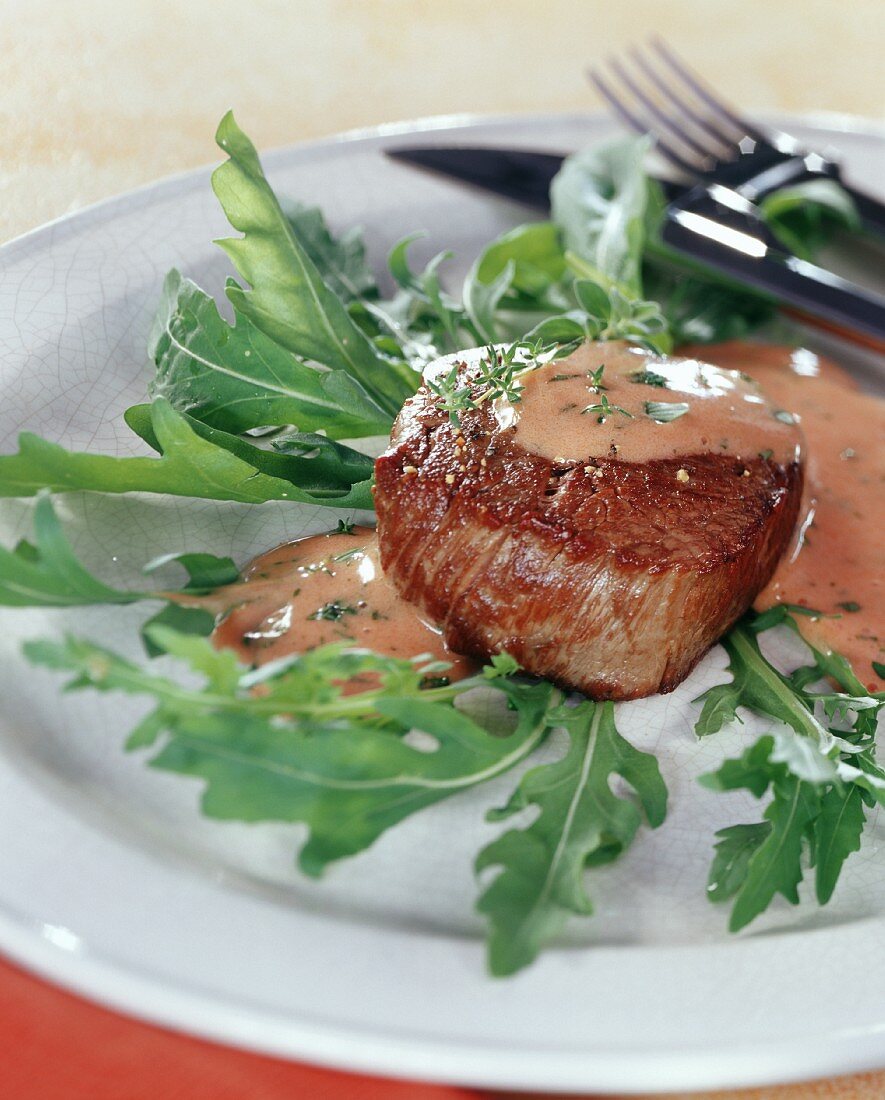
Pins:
x,y
604,527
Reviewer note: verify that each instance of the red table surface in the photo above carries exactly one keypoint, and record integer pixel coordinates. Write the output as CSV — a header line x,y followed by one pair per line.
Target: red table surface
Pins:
x,y
56,1046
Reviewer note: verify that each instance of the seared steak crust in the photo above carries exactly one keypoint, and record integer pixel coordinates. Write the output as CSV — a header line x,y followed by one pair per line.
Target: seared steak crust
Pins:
x,y
609,577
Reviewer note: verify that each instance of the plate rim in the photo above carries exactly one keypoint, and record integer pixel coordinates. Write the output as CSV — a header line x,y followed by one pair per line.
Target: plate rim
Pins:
x,y
838,121
387,1053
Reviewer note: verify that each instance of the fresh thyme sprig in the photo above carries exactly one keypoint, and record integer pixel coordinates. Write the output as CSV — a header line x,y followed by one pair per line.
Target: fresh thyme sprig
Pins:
x,y
595,377
497,376
604,409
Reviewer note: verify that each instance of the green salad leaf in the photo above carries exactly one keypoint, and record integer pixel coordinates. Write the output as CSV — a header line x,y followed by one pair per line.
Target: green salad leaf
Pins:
x,y
599,198
321,470
582,823
301,750
47,573
341,261
838,830
288,300
819,767
189,465
522,272
235,378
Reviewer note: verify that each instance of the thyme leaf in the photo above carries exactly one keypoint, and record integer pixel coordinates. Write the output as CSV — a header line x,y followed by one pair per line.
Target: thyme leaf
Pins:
x,y
604,408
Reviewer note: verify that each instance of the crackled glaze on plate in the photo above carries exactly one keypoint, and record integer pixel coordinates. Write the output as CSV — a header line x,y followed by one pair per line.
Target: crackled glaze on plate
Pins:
x,y
111,882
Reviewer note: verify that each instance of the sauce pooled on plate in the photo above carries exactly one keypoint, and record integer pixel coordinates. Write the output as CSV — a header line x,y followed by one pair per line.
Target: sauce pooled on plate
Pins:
x,y
836,564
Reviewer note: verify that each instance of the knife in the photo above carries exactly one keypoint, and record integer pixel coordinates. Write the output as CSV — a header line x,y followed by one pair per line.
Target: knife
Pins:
x,y
521,175
691,230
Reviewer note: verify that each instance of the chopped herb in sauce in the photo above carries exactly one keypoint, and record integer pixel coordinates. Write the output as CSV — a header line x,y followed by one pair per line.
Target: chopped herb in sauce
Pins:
x,y
849,605
662,412
332,612
345,527
348,555
648,378
766,454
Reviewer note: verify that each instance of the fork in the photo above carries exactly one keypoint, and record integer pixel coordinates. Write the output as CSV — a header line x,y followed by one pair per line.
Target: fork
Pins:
x,y
704,139
730,164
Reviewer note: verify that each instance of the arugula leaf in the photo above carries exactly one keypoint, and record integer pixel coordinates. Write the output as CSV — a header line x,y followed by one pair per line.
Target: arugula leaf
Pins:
x,y
599,199
449,321
581,823
205,573
837,833
48,574
481,300
190,465
776,867
289,301
537,254
341,261
183,620
735,847
303,751
772,860
820,777
237,379
756,684
320,470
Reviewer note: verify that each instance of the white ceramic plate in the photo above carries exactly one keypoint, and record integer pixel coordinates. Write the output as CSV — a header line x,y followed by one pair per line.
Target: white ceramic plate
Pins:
x,y
112,884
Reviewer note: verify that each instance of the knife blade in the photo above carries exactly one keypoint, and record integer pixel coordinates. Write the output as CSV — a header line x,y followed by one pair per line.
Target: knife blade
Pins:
x,y
521,175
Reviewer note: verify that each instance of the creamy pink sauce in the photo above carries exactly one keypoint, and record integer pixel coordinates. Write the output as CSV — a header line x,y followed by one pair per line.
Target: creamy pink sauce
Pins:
x,y
613,400
326,588
836,564
330,588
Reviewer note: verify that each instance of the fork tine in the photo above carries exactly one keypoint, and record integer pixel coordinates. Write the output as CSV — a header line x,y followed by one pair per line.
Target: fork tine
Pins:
x,y
703,93
725,141
640,125
656,112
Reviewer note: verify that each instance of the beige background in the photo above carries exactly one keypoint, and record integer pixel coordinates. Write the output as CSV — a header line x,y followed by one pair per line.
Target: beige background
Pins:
x,y
99,96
